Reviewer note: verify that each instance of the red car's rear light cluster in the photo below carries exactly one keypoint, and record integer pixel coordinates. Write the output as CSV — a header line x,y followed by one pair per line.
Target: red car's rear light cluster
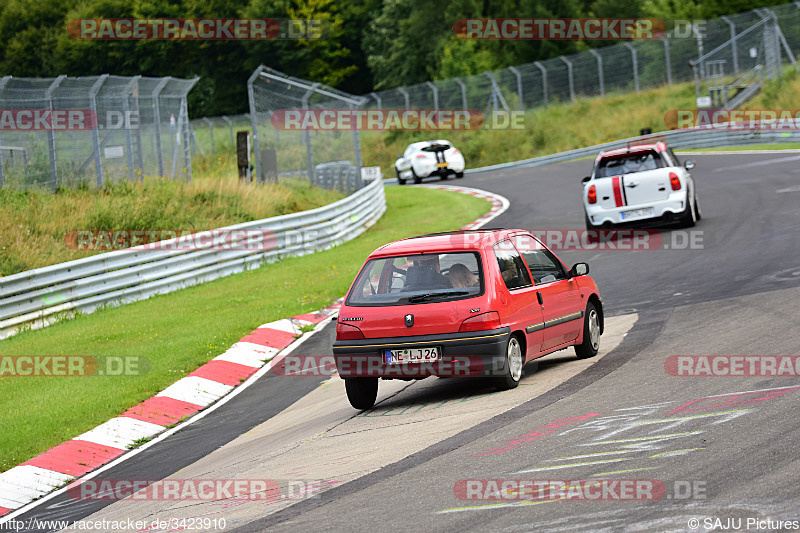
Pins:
x,y
484,321
346,332
592,196
674,181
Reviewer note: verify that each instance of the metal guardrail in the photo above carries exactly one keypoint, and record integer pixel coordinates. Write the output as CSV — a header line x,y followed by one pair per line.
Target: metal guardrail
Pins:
x,y
39,297
677,139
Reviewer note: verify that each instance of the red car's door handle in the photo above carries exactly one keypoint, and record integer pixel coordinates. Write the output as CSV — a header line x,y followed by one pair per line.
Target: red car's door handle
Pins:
x,y
539,297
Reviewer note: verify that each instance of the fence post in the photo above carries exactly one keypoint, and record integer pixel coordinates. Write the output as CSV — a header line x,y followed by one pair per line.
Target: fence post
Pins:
x,y
210,132
781,37
734,50
135,97
630,47
597,55
519,86
402,91
51,136
307,135
253,119
357,143
3,82
377,99
229,122
463,92
185,104
98,164
187,132
544,80
772,50
125,113
496,93
155,96
667,60
435,94
699,49
569,76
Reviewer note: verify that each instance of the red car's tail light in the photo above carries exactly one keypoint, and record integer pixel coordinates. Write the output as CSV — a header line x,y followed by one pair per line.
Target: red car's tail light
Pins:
x,y
674,181
592,196
346,332
484,321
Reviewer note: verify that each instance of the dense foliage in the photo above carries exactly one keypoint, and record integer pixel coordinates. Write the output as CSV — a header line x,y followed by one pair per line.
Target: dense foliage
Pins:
x,y
372,44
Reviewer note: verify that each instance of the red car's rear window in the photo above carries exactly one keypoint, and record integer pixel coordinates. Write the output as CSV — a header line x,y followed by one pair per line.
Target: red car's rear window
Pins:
x,y
420,278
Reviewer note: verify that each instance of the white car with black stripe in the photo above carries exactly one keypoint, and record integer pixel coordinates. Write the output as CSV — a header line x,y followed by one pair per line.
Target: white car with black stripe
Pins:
x,y
429,158
640,184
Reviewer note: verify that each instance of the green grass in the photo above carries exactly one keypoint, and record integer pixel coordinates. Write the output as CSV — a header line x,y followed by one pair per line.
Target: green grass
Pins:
x,y
178,332
764,146
34,223
547,130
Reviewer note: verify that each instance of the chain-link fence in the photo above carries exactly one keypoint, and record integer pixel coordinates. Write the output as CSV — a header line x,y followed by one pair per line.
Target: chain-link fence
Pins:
x,y
57,132
743,41
330,159
212,134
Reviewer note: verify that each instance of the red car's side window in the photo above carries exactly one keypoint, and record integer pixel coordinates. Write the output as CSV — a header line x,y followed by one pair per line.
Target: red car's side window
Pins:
x,y
512,269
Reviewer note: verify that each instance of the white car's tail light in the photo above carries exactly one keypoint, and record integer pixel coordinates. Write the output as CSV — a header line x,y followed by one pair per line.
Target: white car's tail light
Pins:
x,y
674,181
592,195
482,322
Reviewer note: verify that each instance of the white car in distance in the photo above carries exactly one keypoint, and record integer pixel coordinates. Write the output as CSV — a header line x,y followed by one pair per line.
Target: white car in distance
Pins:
x,y
429,158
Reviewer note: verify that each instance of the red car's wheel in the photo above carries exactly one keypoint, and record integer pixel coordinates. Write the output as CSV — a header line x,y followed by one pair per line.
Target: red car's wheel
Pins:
x,y
361,392
591,334
512,365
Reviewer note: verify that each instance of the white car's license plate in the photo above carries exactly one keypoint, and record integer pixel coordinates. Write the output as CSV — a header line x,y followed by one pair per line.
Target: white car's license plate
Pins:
x,y
412,355
637,213
441,165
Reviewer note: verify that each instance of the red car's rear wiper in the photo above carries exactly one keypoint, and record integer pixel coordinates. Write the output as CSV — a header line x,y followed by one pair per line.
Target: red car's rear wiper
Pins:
x,y
428,296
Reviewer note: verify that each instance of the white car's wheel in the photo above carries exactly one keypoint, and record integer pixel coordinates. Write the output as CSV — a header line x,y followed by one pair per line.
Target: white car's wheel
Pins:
x,y
697,214
687,218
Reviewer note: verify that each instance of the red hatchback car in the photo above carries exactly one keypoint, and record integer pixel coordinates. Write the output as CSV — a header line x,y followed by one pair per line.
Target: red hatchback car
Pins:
x,y
481,302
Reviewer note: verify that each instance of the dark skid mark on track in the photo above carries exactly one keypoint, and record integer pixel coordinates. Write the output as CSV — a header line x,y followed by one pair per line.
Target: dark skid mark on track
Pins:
x,y
646,330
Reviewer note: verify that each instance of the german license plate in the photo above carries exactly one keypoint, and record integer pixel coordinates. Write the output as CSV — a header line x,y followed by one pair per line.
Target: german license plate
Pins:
x,y
412,355
637,213
441,165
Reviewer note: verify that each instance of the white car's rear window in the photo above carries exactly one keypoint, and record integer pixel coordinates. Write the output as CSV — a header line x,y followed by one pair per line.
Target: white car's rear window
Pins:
x,y
421,278
629,163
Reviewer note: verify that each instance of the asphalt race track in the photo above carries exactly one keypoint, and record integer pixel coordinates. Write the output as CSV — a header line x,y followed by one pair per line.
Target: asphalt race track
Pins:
x,y
702,453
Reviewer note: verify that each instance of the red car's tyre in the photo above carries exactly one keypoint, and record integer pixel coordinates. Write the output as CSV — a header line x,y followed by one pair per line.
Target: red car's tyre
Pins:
x,y
512,365
361,392
591,334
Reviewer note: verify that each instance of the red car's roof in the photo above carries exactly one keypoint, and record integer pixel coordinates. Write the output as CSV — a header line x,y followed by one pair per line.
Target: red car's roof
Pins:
x,y
632,149
455,240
